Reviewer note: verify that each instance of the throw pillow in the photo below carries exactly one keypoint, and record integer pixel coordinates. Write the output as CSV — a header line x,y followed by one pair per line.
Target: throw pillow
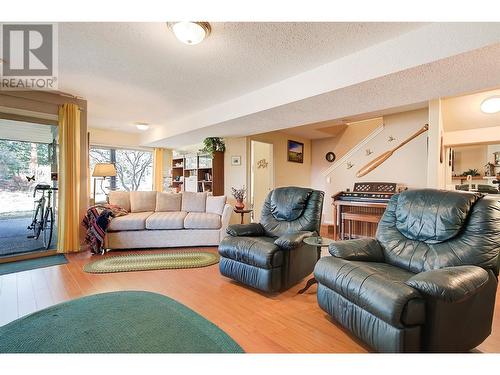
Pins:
x,y
194,202
215,205
168,202
120,199
142,201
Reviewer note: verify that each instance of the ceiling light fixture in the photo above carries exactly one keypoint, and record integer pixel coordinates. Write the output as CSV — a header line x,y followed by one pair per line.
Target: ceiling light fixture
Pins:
x,y
491,105
190,32
142,125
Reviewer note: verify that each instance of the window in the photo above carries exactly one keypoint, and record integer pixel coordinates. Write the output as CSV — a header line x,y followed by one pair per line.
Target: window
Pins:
x,y
134,170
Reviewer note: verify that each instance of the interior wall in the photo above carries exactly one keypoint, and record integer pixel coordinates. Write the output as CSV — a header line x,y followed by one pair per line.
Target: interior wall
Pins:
x,y
436,163
470,157
287,173
235,175
263,177
104,137
407,166
340,145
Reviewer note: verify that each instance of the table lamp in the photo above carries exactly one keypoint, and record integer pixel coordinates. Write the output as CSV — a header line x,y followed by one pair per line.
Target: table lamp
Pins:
x,y
103,170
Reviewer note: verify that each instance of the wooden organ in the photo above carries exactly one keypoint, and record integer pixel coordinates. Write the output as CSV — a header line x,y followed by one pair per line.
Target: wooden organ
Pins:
x,y
357,213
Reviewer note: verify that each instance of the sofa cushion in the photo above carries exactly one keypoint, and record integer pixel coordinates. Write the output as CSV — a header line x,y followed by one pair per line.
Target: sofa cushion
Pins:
x,y
256,251
433,216
378,288
194,202
215,205
132,221
168,202
120,199
202,220
166,220
142,201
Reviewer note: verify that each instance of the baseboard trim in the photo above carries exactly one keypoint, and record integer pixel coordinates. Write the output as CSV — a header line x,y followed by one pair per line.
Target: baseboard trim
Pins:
x,y
26,256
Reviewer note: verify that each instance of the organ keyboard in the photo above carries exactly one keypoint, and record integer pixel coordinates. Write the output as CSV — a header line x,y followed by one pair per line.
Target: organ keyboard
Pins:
x,y
361,209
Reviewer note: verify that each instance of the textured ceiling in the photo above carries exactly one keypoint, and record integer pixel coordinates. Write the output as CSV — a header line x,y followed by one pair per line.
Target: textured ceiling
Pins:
x,y
402,91
132,72
439,59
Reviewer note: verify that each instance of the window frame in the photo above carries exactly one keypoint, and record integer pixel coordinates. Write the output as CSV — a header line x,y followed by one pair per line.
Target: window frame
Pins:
x,y
122,148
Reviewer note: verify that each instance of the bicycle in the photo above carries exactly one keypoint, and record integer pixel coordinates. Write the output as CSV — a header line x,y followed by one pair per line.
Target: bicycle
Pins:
x,y
43,215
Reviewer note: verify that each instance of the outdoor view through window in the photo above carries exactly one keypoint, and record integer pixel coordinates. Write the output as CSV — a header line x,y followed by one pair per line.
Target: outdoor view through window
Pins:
x,y
134,171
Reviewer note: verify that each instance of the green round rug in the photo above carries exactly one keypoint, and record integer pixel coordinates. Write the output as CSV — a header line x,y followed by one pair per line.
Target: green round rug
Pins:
x,y
143,262
117,322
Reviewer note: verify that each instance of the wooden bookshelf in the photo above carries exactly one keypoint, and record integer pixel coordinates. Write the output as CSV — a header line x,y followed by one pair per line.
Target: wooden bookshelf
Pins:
x,y
206,172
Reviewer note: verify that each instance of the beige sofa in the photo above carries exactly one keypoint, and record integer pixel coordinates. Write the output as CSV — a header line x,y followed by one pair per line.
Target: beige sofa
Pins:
x,y
167,220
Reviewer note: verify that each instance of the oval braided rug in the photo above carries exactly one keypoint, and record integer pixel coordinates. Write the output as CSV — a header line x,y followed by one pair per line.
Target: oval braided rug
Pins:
x,y
116,322
143,262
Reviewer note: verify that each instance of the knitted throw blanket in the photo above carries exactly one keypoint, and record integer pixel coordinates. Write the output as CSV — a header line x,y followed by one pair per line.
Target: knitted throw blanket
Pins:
x,y
96,221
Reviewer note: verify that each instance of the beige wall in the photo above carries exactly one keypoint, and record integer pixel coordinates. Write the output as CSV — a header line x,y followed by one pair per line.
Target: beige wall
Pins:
x,y
436,169
103,137
263,177
407,167
235,175
287,173
470,157
340,145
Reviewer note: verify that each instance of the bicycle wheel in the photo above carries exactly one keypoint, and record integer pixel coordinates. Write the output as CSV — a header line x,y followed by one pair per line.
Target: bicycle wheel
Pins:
x,y
48,227
37,222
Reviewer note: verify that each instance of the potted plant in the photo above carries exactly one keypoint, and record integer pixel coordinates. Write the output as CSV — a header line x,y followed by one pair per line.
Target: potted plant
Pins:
x,y
213,144
471,172
239,195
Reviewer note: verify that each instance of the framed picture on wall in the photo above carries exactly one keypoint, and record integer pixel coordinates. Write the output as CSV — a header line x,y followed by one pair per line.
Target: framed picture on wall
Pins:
x,y
295,151
235,160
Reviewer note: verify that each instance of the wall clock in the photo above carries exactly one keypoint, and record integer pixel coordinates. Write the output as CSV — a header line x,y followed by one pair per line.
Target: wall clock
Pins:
x,y
330,156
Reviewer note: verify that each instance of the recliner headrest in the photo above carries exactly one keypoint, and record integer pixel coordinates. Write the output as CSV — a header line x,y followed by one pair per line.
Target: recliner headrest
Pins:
x,y
288,203
433,216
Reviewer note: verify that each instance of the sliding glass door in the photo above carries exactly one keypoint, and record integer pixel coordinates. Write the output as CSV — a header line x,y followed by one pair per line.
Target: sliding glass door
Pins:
x,y
28,163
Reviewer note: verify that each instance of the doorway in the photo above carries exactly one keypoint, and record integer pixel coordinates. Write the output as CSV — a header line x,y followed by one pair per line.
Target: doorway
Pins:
x,y
28,157
261,175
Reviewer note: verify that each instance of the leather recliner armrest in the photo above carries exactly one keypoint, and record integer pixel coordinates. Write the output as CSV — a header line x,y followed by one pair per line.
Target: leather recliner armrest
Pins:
x,y
363,249
292,240
245,230
450,284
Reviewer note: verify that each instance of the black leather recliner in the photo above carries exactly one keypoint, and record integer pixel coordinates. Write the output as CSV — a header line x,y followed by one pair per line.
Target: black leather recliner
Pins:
x,y
271,256
426,283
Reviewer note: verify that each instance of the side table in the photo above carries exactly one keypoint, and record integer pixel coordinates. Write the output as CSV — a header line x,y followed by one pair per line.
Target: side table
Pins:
x,y
319,242
242,212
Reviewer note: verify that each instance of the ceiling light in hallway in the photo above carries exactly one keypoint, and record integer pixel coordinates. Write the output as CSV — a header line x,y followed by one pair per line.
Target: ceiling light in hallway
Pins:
x,y
190,32
491,105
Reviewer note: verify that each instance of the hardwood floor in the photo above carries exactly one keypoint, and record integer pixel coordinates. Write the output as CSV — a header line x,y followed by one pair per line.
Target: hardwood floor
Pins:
x,y
285,322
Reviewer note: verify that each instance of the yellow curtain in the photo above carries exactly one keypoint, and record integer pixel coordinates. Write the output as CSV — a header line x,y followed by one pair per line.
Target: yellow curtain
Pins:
x,y
69,179
158,169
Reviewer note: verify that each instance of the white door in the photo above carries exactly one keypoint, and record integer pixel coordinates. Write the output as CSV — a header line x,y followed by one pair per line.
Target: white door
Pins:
x,y
262,175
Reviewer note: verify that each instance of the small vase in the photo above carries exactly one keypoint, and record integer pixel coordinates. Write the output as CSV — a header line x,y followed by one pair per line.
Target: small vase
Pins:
x,y
239,204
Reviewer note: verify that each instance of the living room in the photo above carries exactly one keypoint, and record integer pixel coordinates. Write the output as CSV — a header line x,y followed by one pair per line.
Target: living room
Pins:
x,y
264,184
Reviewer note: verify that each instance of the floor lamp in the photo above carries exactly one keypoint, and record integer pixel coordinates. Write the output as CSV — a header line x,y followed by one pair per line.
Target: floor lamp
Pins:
x,y
103,170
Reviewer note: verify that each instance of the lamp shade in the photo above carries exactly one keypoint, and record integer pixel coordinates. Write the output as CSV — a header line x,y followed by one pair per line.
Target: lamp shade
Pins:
x,y
104,170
